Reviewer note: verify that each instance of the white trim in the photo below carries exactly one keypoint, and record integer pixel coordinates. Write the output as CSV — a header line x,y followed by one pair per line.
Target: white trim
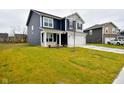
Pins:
x,y
54,31
45,35
40,21
59,39
48,22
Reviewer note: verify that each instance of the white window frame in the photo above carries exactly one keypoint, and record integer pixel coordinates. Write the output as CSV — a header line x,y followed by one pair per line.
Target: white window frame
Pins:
x,y
49,19
91,32
79,24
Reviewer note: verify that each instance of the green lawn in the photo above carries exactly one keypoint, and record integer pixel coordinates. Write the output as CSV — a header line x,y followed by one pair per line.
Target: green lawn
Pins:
x,y
22,63
109,45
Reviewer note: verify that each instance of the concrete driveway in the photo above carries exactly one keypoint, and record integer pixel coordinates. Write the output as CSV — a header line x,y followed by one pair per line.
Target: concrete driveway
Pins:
x,y
114,50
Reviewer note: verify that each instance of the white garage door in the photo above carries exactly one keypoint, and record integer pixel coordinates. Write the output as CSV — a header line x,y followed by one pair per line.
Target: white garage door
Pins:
x,y
80,40
108,39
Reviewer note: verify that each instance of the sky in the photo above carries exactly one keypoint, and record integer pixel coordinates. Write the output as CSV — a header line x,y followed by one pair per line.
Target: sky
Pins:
x,y
16,19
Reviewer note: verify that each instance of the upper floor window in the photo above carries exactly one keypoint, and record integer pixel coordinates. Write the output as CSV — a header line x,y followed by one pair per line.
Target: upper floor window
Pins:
x,y
113,30
70,24
106,30
90,32
79,26
47,22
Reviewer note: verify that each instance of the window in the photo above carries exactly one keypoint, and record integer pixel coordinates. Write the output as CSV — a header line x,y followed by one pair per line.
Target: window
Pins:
x,y
47,22
113,30
90,32
32,27
49,37
106,30
79,26
70,24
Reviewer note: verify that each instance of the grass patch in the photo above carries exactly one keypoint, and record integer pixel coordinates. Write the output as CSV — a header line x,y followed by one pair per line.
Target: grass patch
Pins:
x,y
23,63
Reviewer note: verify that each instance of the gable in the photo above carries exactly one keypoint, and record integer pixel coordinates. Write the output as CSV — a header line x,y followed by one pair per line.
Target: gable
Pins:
x,y
30,15
75,16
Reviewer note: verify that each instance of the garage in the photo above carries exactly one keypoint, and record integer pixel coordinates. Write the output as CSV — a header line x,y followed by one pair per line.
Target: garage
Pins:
x,y
80,39
108,39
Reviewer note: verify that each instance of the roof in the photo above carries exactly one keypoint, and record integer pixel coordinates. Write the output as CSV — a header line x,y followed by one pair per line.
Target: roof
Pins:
x,y
100,26
94,27
46,14
3,34
41,13
49,15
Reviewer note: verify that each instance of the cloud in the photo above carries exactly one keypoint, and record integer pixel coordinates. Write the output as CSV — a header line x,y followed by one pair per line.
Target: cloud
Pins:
x,y
18,17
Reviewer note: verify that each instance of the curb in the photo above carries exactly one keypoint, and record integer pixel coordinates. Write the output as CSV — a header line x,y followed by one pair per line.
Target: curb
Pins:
x,y
118,79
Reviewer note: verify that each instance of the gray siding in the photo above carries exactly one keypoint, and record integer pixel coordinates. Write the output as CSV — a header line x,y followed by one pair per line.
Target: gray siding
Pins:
x,y
96,36
34,36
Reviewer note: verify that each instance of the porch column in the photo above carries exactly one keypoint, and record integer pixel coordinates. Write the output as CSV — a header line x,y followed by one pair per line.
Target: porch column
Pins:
x,y
59,39
41,39
45,36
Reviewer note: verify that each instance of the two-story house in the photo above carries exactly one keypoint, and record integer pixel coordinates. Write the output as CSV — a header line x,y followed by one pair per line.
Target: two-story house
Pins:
x,y
101,33
49,30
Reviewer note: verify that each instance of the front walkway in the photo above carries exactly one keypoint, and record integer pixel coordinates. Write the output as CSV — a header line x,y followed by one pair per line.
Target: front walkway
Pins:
x,y
114,50
120,78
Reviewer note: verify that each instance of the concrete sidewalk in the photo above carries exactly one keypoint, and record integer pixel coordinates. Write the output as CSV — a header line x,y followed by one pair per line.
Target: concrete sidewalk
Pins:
x,y
114,50
120,78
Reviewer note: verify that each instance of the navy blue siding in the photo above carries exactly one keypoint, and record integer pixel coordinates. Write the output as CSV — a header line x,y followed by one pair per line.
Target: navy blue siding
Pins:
x,y
63,24
57,24
34,36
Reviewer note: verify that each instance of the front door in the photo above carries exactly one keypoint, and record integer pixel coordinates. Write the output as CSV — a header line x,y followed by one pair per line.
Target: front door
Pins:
x,y
64,39
57,39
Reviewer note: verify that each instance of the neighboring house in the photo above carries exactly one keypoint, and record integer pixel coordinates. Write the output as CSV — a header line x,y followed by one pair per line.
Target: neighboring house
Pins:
x,y
121,35
3,37
17,38
50,30
101,33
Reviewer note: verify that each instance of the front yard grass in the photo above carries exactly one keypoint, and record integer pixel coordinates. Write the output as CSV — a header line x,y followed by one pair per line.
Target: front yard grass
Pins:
x,y
22,63
109,45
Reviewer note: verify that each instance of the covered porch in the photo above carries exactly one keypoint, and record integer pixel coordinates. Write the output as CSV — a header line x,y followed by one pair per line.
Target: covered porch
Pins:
x,y
53,38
